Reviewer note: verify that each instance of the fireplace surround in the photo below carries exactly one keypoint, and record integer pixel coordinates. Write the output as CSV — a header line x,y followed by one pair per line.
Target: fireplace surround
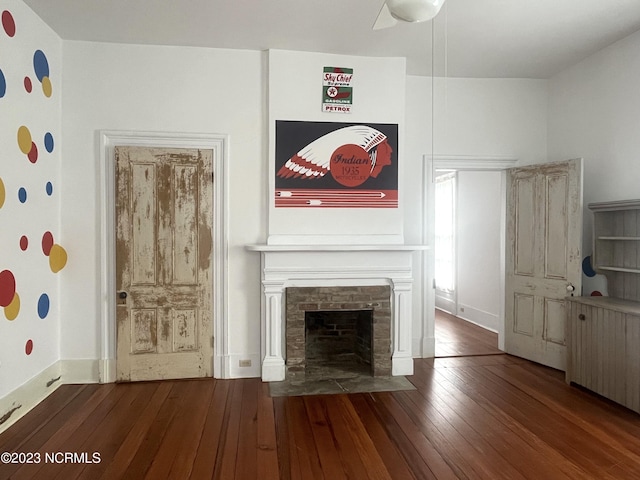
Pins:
x,y
334,267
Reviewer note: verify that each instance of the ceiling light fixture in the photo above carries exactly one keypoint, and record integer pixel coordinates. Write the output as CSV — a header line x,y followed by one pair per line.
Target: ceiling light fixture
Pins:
x,y
411,11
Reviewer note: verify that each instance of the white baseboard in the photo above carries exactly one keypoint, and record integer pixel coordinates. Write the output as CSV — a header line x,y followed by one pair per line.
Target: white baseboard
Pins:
x,y
17,403
251,371
478,317
446,304
80,371
20,401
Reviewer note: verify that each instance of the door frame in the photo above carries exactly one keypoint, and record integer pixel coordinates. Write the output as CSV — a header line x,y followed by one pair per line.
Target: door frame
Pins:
x,y
108,140
457,163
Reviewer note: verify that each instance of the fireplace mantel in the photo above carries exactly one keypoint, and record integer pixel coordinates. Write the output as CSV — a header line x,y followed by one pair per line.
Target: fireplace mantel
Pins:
x,y
337,248
325,265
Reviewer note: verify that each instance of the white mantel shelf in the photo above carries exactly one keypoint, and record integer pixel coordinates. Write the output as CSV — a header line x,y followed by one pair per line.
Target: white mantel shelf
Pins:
x,y
337,248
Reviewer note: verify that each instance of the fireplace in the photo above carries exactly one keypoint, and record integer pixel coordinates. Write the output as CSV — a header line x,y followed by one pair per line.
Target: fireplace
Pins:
x,y
339,340
386,269
338,323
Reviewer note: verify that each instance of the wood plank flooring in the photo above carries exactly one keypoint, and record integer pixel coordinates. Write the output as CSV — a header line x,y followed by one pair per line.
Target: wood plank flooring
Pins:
x,y
471,417
456,337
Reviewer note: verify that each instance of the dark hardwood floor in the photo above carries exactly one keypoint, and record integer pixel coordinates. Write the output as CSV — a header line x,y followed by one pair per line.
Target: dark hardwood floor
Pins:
x,y
471,417
456,337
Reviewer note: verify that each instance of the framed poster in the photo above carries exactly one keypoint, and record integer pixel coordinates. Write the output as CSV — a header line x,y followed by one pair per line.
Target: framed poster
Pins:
x,y
336,165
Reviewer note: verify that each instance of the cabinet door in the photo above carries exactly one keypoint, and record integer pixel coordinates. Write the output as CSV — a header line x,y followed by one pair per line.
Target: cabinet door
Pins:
x,y
582,352
598,351
632,361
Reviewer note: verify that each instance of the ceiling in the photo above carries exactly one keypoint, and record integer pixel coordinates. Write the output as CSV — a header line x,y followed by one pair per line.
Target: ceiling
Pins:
x,y
472,38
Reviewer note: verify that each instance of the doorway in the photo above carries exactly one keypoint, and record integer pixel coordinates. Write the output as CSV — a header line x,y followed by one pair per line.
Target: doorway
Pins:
x,y
467,262
217,144
462,163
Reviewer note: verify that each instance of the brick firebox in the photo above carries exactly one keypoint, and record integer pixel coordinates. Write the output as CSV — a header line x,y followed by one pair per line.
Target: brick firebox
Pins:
x,y
306,299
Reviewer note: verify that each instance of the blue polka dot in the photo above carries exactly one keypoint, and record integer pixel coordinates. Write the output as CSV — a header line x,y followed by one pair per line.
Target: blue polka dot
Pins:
x,y
40,64
587,269
43,305
48,142
22,195
3,85
49,188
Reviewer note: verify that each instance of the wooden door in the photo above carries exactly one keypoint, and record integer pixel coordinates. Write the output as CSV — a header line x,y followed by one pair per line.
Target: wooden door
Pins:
x,y
543,258
163,263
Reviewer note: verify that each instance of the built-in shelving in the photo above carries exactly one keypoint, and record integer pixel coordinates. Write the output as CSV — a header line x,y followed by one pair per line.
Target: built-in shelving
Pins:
x,y
603,333
616,248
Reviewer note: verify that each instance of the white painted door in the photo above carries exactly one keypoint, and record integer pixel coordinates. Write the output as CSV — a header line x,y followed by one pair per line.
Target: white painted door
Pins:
x,y
543,258
163,263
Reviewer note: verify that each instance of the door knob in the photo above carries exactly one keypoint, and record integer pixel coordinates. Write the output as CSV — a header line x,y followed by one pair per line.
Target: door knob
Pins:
x,y
122,295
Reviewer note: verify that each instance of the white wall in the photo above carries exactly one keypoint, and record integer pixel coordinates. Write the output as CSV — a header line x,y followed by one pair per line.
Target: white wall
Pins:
x,y
39,111
491,117
594,113
478,247
295,93
164,89
473,118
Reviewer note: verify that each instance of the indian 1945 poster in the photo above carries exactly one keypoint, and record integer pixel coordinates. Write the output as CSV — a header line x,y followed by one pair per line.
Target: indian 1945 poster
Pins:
x,y
327,164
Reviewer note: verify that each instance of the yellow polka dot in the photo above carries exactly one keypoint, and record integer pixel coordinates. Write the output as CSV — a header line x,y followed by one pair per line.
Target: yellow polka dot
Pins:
x,y
57,258
11,311
46,86
24,140
2,193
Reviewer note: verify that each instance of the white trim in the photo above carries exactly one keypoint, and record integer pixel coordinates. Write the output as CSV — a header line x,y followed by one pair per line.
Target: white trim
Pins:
x,y
108,140
462,162
24,398
471,162
19,401
80,371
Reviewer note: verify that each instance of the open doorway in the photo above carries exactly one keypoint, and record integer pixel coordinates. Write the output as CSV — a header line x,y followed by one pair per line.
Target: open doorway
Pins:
x,y
467,261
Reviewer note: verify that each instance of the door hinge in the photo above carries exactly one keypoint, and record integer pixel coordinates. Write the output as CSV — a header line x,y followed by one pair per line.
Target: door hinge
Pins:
x,y
211,176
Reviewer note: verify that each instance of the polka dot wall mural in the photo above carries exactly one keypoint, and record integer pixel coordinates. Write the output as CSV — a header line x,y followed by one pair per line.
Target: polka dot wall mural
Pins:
x,y
29,162
3,84
11,311
56,253
41,69
8,24
43,305
7,287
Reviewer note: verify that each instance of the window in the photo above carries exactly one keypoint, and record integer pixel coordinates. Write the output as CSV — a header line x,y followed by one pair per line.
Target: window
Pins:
x,y
445,232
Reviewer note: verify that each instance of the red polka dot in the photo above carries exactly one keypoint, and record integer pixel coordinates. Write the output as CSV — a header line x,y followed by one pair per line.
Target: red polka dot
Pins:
x,y
24,242
8,23
33,153
28,348
47,243
27,84
7,287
